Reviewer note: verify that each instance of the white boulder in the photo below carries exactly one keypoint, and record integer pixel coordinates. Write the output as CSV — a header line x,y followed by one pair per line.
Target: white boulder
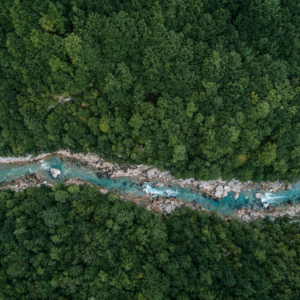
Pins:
x,y
55,172
219,191
226,190
258,195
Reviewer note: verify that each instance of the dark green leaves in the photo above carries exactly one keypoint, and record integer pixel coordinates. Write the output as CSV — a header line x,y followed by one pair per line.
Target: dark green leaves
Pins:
x,y
210,81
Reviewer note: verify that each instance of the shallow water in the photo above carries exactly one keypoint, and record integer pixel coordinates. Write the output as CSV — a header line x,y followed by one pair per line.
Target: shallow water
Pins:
x,y
228,206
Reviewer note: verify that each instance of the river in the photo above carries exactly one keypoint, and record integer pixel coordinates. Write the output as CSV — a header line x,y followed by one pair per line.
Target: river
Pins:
x,y
126,186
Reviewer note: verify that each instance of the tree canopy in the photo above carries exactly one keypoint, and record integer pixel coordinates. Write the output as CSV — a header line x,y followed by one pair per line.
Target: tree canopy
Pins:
x,y
76,243
200,88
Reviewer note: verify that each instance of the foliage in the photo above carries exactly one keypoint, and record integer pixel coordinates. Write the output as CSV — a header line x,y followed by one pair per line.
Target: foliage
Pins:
x,y
200,88
76,243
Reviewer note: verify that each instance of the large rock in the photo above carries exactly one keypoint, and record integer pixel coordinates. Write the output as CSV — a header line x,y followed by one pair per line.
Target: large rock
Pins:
x,y
246,218
219,191
226,190
258,195
55,172
32,177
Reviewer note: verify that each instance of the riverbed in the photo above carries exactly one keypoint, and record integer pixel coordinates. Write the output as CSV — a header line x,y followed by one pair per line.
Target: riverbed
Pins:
x,y
157,187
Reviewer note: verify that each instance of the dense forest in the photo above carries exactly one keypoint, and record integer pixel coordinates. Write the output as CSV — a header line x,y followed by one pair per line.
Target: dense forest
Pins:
x,y
200,88
75,243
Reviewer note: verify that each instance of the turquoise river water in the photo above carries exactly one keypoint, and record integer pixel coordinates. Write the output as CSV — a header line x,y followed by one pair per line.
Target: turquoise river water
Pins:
x,y
228,206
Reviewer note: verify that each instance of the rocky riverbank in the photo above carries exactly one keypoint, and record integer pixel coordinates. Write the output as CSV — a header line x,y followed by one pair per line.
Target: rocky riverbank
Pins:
x,y
215,189
249,215
162,205
31,180
23,183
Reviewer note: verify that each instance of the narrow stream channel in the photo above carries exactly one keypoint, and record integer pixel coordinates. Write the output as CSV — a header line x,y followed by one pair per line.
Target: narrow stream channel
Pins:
x,y
228,206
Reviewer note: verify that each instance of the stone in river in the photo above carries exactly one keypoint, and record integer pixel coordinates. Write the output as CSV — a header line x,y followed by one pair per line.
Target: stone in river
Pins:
x,y
100,175
258,195
236,195
55,172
